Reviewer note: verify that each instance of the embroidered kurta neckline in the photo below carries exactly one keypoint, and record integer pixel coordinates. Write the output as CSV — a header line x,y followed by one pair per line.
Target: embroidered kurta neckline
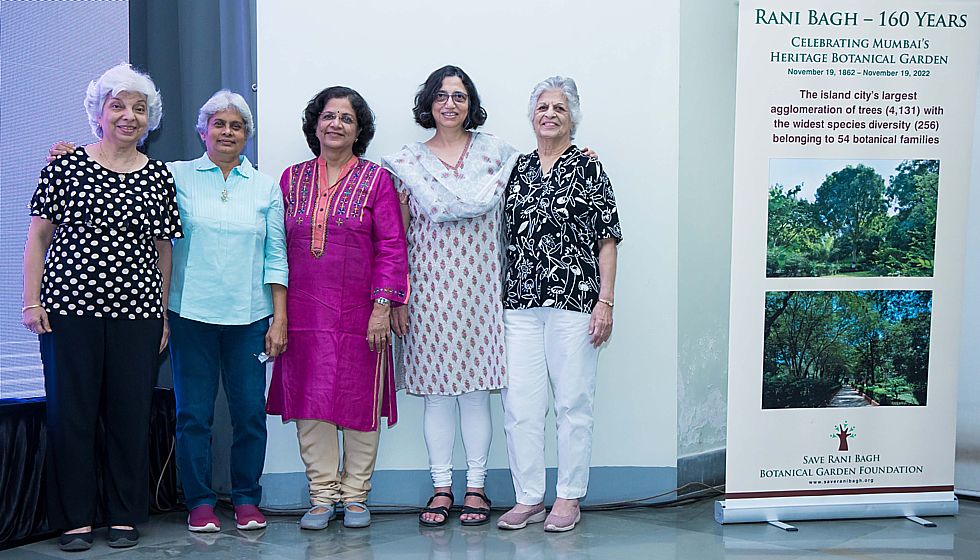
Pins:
x,y
324,201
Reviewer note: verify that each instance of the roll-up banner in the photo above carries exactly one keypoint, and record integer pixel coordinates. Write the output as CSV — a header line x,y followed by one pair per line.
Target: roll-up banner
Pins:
x,y
854,125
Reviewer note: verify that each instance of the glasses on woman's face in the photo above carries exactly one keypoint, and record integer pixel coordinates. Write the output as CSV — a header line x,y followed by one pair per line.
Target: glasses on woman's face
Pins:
x,y
458,97
344,117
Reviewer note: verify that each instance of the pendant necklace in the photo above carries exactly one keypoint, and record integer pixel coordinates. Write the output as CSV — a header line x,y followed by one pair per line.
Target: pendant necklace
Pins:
x,y
224,195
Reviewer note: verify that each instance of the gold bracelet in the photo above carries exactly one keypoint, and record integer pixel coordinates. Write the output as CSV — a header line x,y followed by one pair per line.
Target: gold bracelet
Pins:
x,y
606,301
26,307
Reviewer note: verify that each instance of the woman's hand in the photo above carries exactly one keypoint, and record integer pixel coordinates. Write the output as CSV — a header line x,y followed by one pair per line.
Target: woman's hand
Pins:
x,y
35,320
166,333
399,320
379,327
589,152
275,338
600,325
59,149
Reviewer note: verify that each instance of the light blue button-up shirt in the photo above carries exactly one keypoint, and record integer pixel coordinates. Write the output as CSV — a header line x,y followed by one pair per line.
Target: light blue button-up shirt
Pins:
x,y
234,244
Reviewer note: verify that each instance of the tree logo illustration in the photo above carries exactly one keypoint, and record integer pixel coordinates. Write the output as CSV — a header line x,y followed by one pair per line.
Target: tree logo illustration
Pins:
x,y
843,432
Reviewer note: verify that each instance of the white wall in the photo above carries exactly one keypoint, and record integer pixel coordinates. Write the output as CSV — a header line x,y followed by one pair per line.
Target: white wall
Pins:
x,y
967,477
707,154
624,56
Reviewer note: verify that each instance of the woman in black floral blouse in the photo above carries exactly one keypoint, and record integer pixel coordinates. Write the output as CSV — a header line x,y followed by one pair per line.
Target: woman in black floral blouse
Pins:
x,y
561,231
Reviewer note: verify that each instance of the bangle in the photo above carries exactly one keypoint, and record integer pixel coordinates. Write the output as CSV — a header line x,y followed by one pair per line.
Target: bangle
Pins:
x,y
26,307
606,301
383,301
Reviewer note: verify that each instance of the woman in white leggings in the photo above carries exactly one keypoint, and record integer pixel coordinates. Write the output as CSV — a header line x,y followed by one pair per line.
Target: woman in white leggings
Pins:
x,y
453,327
439,426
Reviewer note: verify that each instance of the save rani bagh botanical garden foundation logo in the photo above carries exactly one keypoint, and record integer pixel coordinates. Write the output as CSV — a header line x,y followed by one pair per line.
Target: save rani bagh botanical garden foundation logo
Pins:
x,y
843,432
845,468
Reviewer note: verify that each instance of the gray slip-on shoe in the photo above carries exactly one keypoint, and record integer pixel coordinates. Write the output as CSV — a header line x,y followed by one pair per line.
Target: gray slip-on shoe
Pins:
x,y
316,521
356,519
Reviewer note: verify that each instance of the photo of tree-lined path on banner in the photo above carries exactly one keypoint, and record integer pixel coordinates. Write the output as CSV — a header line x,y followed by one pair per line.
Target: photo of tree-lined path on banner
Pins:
x,y
852,218
846,348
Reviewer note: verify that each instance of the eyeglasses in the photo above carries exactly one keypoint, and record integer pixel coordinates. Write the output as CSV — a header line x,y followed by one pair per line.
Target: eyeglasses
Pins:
x,y
458,97
344,117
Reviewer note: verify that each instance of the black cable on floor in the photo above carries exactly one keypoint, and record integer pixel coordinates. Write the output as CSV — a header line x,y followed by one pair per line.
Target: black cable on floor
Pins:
x,y
706,491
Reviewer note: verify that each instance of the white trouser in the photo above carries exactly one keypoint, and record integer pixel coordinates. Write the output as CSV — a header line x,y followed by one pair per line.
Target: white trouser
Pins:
x,y
546,344
439,426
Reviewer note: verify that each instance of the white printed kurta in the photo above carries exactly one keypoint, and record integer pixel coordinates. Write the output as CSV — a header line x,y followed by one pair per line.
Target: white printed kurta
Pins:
x,y
455,340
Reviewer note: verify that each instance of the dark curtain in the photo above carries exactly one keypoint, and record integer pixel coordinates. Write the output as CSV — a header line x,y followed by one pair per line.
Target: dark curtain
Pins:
x,y
22,448
23,444
192,48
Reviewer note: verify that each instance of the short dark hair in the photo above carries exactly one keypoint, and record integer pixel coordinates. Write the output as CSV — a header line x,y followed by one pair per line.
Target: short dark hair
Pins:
x,y
476,115
365,118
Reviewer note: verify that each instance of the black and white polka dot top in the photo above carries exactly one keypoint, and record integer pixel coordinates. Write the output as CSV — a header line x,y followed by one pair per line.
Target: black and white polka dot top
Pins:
x,y
103,261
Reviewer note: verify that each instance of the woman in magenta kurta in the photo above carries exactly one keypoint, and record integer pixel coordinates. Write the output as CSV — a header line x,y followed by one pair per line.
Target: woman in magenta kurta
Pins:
x,y
324,375
347,266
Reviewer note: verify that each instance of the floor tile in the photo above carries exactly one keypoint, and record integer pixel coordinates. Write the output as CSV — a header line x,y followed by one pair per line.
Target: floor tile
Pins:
x,y
683,532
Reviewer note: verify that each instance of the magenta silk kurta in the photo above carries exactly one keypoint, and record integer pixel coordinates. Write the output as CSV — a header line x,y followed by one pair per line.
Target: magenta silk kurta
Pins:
x,y
328,371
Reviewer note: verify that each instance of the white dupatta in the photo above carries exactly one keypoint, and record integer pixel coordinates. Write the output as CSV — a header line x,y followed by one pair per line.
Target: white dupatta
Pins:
x,y
473,190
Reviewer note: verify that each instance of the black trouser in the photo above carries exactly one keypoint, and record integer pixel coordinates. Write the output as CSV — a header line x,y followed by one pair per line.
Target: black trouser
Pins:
x,y
98,369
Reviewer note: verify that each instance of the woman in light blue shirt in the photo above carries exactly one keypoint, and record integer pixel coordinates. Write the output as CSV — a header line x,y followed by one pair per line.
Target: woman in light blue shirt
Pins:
x,y
229,277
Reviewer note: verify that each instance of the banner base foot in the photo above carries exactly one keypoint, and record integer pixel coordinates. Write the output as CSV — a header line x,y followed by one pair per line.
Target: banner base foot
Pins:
x,y
784,526
920,521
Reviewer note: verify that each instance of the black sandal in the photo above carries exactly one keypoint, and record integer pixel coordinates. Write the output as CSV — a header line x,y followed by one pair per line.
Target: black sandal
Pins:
x,y
441,510
484,511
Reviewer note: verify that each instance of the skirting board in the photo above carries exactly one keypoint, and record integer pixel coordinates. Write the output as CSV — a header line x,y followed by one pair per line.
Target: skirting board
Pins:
x,y
396,489
840,507
707,467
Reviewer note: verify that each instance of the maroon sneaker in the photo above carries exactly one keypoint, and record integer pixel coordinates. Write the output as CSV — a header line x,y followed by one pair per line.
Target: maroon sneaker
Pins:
x,y
248,517
203,520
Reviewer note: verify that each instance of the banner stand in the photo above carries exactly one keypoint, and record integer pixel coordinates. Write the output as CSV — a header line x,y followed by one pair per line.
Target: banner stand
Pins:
x,y
853,136
768,510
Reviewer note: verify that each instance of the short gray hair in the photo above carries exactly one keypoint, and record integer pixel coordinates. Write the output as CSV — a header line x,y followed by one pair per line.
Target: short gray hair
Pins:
x,y
221,100
114,81
568,88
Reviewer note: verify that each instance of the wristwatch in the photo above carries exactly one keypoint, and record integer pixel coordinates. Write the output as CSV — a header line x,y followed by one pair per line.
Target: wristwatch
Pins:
x,y
382,301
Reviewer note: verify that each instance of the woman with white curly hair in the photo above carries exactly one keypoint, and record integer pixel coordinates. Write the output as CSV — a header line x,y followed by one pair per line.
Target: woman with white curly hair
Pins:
x,y
96,276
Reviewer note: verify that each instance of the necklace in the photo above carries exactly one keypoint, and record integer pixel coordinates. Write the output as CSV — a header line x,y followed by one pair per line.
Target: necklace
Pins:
x,y
115,166
224,194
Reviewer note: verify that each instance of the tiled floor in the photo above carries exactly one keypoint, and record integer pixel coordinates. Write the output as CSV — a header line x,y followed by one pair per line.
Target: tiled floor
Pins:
x,y
683,532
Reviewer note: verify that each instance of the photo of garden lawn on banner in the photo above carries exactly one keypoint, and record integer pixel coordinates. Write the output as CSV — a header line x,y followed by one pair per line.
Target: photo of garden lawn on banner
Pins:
x,y
852,163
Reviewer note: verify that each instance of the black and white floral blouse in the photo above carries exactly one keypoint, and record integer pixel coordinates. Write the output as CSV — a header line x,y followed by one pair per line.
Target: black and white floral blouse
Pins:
x,y
553,225
103,261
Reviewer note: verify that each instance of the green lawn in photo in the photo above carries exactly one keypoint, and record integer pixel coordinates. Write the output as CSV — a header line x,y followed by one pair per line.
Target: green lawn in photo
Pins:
x,y
846,218
846,348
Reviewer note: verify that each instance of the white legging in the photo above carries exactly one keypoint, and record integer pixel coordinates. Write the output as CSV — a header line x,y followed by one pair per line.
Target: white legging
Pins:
x,y
439,426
